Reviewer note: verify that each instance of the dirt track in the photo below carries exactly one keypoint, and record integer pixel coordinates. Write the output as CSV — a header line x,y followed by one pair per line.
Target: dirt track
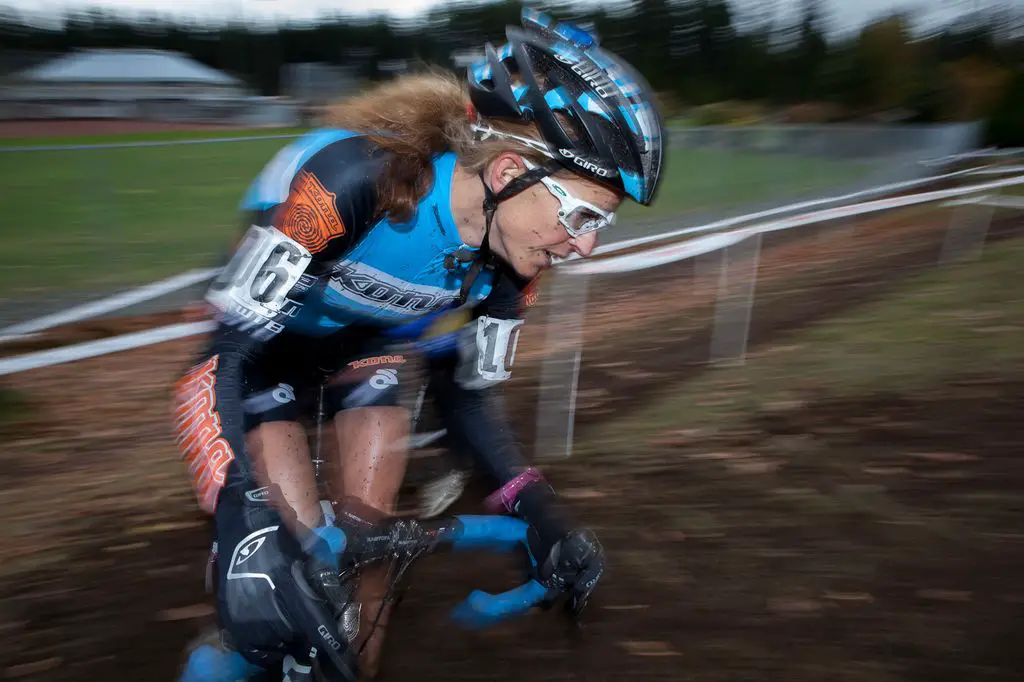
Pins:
x,y
103,575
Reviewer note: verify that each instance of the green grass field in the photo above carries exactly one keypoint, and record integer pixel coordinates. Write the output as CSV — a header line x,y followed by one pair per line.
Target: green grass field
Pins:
x,y
706,179
151,136
95,220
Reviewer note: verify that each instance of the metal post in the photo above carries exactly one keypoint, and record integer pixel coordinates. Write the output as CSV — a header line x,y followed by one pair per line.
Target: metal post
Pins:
x,y
967,231
560,369
574,384
707,266
736,285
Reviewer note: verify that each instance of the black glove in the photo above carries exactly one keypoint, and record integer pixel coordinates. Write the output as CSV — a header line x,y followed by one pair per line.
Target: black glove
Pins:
x,y
374,537
573,567
275,594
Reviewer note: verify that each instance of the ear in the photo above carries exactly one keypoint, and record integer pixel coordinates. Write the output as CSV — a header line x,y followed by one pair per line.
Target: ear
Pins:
x,y
506,167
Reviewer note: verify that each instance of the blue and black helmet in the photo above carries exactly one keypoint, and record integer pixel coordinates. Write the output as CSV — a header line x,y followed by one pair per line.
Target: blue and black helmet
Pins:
x,y
596,114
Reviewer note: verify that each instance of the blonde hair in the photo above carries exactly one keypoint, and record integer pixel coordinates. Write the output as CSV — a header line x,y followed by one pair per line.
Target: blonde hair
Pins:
x,y
415,117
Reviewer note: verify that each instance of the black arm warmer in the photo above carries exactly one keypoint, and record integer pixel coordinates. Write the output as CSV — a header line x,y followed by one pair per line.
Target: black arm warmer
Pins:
x,y
478,427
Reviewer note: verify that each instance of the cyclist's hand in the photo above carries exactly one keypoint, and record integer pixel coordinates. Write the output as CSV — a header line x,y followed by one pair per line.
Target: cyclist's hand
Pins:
x,y
573,567
276,591
373,536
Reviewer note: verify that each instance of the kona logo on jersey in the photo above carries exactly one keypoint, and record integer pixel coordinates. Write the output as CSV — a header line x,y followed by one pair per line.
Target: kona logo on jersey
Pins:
x,y
378,360
585,164
371,287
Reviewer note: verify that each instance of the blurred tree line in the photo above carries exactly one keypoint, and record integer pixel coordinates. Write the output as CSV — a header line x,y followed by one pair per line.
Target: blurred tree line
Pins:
x,y
707,62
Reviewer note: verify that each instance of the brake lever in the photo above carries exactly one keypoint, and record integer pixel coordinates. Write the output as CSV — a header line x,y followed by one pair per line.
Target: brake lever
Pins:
x,y
573,624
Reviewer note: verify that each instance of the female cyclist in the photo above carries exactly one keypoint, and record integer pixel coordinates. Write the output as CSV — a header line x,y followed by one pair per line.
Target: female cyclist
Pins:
x,y
423,194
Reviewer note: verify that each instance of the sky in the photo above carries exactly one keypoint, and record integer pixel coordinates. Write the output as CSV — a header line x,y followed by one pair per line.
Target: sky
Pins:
x,y
844,15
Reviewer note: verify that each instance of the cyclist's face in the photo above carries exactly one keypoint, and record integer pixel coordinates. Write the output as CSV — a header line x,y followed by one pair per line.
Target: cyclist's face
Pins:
x,y
529,232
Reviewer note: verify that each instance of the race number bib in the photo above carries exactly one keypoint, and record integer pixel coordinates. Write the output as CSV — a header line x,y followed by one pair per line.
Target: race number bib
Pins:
x,y
265,267
487,349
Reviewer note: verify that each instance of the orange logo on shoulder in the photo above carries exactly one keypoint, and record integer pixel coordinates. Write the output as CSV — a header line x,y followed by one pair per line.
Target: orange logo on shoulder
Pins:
x,y
310,215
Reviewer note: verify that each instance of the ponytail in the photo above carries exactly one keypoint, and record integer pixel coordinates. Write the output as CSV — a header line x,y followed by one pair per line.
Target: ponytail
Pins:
x,y
413,117
416,117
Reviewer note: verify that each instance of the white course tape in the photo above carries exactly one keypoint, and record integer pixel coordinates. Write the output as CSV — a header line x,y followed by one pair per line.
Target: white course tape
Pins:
x,y
659,256
999,170
106,305
626,263
90,349
986,153
995,201
675,252
719,225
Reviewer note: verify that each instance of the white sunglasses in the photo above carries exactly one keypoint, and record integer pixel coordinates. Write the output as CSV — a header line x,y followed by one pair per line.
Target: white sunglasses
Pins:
x,y
577,216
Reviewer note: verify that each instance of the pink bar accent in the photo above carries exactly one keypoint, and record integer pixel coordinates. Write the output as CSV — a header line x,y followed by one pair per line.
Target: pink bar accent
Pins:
x,y
505,497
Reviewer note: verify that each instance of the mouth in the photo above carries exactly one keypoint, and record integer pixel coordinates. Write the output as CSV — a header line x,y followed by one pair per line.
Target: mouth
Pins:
x,y
554,258
551,256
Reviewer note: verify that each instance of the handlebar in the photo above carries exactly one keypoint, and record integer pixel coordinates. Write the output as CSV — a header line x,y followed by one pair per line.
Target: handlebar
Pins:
x,y
482,609
407,540
501,533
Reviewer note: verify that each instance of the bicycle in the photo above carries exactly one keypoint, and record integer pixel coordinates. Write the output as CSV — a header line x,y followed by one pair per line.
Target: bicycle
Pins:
x,y
407,541
425,534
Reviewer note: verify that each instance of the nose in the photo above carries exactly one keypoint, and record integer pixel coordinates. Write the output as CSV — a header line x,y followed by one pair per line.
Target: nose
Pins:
x,y
584,244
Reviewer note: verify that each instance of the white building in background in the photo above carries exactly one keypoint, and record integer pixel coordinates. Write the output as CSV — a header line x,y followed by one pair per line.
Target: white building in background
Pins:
x,y
122,83
317,81
463,58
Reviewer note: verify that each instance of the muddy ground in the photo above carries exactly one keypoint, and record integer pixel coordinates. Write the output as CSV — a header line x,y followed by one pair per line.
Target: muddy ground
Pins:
x,y
101,573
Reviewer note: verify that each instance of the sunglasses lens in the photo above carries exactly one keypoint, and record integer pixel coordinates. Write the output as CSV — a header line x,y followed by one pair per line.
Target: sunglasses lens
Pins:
x,y
583,220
